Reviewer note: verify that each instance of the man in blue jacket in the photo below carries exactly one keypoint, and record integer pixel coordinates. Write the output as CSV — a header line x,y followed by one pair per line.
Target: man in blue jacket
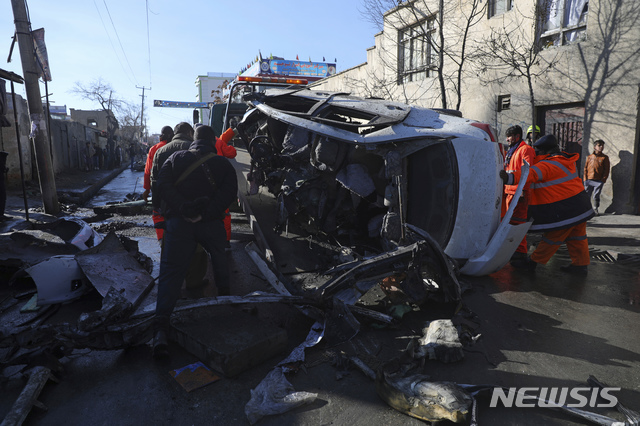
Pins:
x,y
196,187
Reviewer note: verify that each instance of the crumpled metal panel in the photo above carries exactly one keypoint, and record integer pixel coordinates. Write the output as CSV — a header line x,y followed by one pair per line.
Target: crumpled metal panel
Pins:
x,y
109,264
58,279
504,241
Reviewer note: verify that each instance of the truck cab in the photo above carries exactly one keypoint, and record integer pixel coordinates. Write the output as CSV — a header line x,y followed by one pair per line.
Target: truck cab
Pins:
x,y
226,115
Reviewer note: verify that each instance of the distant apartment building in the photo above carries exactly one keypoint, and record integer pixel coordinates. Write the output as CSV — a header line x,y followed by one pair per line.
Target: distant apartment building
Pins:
x,y
581,58
211,88
96,119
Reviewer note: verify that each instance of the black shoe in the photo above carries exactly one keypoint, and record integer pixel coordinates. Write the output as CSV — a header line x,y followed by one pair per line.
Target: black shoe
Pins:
x,y
160,345
227,246
518,257
194,292
574,269
525,265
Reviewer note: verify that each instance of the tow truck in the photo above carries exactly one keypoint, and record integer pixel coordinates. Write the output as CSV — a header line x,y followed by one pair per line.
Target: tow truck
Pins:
x,y
264,74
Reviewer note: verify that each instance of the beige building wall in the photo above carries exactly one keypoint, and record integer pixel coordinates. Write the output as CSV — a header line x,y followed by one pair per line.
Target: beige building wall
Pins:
x,y
9,142
595,80
210,88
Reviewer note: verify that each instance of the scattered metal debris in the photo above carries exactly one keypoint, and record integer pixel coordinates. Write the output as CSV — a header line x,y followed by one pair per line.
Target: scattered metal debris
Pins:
x,y
439,342
110,265
127,208
633,417
420,398
275,395
28,398
58,279
73,231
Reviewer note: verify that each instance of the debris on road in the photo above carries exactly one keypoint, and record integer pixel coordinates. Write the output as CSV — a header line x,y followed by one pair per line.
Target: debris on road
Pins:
x,y
420,398
439,342
633,417
58,279
38,377
110,265
194,376
127,208
275,395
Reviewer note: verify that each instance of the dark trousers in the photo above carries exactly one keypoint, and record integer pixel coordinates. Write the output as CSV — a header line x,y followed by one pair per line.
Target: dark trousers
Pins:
x,y
180,240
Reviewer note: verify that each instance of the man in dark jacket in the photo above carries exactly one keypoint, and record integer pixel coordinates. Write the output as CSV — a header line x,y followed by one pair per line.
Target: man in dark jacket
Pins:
x,y
195,197
181,140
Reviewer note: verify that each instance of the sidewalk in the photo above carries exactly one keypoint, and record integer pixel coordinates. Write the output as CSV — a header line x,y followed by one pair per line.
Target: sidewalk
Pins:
x,y
72,186
617,234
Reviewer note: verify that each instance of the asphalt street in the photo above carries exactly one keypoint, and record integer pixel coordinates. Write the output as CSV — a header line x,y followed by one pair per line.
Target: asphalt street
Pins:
x,y
548,329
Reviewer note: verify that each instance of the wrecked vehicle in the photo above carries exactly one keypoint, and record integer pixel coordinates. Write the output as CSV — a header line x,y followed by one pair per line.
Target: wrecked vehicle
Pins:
x,y
362,170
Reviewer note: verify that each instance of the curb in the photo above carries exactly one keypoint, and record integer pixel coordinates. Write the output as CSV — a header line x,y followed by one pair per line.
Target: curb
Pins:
x,y
87,194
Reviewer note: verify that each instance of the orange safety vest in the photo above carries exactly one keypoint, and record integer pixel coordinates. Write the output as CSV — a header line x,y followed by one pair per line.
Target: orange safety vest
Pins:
x,y
522,152
557,199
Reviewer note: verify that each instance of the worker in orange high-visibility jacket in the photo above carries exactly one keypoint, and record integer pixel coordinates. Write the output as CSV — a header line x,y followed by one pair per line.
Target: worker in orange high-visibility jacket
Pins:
x,y
559,206
224,149
517,153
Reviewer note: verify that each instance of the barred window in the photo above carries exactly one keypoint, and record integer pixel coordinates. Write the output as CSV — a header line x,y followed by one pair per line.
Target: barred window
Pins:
x,y
417,56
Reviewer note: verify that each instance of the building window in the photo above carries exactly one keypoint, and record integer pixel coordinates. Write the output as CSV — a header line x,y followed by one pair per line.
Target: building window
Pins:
x,y
504,102
498,7
92,122
564,21
417,57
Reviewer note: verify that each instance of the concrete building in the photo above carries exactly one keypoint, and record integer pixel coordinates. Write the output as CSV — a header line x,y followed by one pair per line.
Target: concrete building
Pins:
x,y
9,142
210,89
581,58
96,119
58,112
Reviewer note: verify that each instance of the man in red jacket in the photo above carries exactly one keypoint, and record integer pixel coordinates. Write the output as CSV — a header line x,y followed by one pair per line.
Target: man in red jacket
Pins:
x,y
559,206
224,149
166,134
516,155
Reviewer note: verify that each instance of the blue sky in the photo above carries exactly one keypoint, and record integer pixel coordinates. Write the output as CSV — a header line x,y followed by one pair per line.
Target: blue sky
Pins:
x,y
186,39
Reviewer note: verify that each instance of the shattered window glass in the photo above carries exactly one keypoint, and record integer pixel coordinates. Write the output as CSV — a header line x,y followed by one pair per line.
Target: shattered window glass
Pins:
x,y
563,22
417,55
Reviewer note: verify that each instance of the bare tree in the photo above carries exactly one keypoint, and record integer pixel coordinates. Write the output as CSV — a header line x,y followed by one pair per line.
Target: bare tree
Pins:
x,y
118,111
129,117
607,71
98,91
218,93
440,30
513,51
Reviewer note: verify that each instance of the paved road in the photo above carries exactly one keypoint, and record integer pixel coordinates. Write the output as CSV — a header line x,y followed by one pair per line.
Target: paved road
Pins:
x,y
549,329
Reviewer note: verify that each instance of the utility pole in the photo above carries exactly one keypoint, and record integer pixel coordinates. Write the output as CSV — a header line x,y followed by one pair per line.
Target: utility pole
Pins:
x,y
36,113
142,113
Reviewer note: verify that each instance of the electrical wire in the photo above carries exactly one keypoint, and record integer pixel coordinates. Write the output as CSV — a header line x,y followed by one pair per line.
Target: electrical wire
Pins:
x,y
120,42
111,42
148,42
